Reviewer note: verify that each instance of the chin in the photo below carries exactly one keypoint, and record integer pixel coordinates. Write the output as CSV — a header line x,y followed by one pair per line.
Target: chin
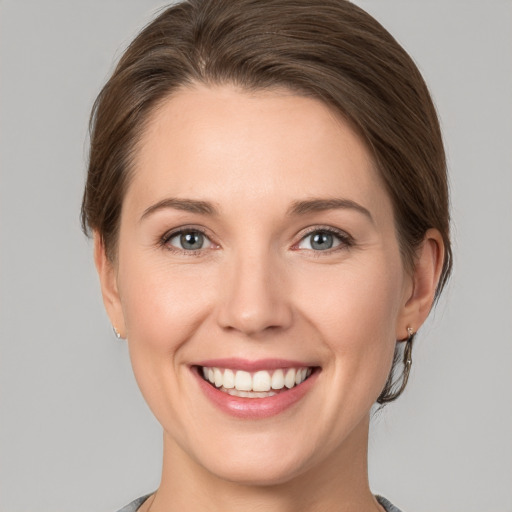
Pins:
x,y
260,471
262,458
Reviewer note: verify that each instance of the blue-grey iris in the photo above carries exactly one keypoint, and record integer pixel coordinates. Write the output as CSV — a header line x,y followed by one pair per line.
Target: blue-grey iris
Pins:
x,y
192,240
322,241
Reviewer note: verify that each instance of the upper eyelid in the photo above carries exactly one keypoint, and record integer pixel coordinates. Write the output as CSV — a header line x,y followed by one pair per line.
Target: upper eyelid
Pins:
x,y
171,233
328,229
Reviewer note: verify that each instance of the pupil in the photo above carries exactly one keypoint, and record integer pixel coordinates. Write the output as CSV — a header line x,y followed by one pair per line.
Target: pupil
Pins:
x,y
322,241
192,241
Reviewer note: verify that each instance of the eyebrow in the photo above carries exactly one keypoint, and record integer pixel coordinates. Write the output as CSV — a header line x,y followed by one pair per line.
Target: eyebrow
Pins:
x,y
297,208
187,205
319,205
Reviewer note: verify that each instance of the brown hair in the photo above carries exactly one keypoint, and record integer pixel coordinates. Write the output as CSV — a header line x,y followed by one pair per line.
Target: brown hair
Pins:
x,y
328,49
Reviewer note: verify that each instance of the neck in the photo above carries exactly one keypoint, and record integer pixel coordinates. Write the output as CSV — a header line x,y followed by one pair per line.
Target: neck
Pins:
x,y
337,484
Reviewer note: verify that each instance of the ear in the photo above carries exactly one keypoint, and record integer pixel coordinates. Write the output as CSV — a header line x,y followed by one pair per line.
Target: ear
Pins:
x,y
108,282
425,277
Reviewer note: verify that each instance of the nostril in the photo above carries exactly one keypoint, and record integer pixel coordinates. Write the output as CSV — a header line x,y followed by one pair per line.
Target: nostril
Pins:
x,y
253,298
255,319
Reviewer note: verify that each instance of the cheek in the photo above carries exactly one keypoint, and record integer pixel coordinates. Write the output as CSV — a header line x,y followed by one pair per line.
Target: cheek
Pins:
x,y
355,298
163,304
355,309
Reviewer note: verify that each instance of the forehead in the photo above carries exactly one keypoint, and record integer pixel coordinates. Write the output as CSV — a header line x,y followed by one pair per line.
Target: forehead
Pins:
x,y
218,143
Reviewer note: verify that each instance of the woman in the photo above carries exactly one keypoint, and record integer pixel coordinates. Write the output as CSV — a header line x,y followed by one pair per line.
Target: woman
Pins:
x,y
268,199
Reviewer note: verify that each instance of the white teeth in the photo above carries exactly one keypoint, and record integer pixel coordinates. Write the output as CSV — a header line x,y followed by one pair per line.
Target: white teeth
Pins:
x,y
218,377
261,381
243,381
257,385
249,394
289,379
229,379
278,379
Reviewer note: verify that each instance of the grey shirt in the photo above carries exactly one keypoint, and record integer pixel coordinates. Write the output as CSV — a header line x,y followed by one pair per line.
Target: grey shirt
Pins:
x,y
134,505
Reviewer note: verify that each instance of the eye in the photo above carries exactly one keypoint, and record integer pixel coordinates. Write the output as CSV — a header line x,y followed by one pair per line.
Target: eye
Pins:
x,y
188,240
323,240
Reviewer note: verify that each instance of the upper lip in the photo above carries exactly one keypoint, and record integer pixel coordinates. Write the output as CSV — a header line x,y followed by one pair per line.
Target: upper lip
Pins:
x,y
235,363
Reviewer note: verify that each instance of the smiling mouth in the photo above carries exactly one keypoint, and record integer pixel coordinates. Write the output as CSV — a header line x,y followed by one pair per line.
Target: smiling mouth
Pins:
x,y
259,384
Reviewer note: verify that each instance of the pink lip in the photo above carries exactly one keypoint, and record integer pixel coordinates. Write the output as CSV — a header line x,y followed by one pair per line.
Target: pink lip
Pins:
x,y
254,408
252,366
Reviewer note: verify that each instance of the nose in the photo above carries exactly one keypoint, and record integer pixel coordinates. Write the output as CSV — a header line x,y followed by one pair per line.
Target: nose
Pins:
x,y
254,298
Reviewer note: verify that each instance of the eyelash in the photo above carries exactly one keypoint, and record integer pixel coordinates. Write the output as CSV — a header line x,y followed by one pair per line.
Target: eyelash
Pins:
x,y
167,237
346,241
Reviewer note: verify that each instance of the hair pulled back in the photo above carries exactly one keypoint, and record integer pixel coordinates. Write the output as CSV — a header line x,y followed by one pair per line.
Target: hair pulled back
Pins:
x,y
328,49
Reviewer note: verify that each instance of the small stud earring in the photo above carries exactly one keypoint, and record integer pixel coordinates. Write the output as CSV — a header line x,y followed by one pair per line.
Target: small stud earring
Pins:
x,y
117,334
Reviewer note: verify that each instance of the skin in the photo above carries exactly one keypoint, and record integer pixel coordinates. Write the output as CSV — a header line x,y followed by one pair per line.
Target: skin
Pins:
x,y
259,289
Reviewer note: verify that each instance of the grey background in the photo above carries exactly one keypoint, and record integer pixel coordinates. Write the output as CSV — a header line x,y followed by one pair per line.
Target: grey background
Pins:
x,y
75,434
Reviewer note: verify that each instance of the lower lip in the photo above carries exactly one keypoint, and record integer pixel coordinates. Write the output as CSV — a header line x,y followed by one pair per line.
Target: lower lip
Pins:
x,y
255,408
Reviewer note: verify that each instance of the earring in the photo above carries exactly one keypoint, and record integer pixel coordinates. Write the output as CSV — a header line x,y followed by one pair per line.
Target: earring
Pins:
x,y
117,334
408,346
408,354
391,390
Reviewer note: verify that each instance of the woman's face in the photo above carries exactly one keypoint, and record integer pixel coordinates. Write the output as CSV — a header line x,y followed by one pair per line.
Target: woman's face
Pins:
x,y
257,246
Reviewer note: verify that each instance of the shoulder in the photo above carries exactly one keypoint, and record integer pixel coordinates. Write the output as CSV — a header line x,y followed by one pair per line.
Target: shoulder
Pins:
x,y
135,504
388,506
